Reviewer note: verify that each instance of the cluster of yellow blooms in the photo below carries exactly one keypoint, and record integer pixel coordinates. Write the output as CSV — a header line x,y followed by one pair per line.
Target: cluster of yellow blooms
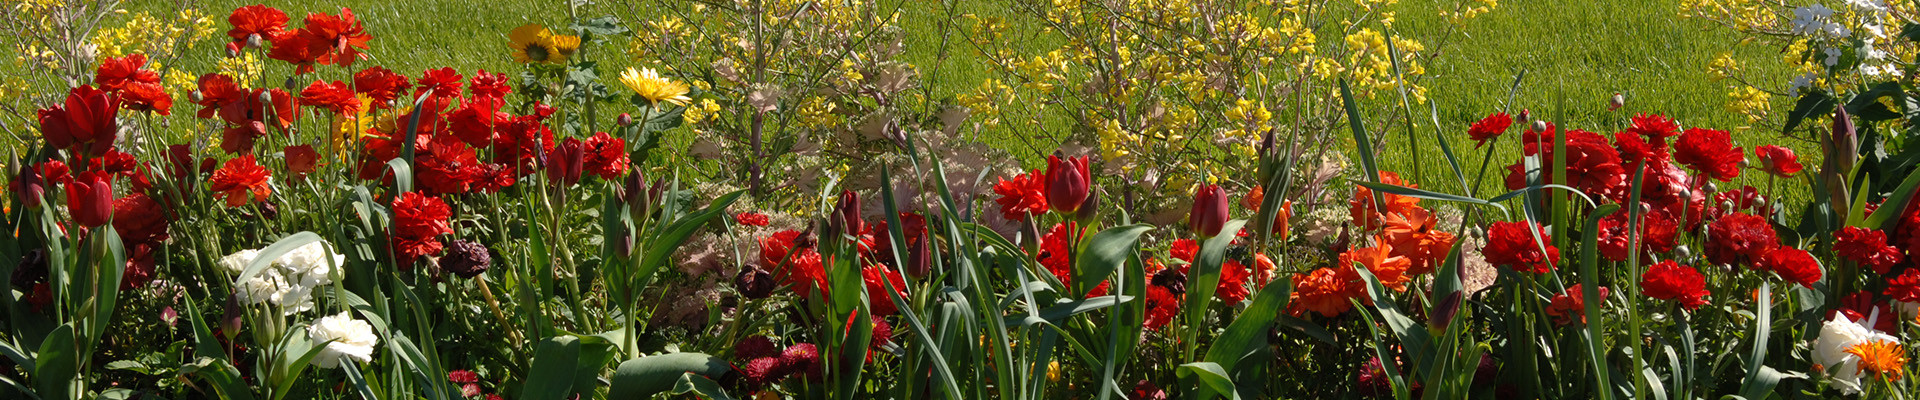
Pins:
x,y
1850,45
145,34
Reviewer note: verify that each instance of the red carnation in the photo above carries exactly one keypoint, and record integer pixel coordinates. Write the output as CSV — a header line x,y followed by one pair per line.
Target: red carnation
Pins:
x,y
418,221
240,180
877,277
1711,152
1793,265
1905,287
1162,305
139,219
336,97
751,219
1489,128
1739,239
1184,250
1671,281
1024,195
1778,161
1867,247
606,156
382,85
1512,244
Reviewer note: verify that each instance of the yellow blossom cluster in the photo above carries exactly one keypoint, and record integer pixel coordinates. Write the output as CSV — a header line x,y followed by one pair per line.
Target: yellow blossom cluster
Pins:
x,y
145,34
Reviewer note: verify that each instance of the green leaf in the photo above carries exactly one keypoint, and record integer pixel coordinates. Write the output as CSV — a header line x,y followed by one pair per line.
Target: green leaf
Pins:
x,y
691,383
1249,330
1896,202
669,239
1213,379
402,175
272,253
1814,103
1104,252
1060,312
551,377
641,378
1590,292
56,364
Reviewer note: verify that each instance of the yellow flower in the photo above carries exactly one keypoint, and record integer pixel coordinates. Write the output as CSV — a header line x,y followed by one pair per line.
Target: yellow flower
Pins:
x,y
1881,357
655,88
565,45
534,43
1054,371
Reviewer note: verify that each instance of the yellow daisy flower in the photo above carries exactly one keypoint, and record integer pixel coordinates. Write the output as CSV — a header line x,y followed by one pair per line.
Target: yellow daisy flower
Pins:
x,y
534,43
565,45
649,84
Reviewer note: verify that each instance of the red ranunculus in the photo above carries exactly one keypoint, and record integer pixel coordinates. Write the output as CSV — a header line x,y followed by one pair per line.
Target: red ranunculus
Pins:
x,y
447,167
1566,307
1512,244
1655,128
240,180
1162,306
877,277
1184,250
1068,183
1739,239
86,123
1489,128
1905,287
418,222
1232,288
443,82
382,85
138,272
1711,152
750,219
1023,196
1326,291
1793,265
487,85
296,49
138,88
795,262
334,39
1868,247
255,24
1778,161
90,198
1657,234
337,97
606,156
216,91
301,160
139,219
1668,280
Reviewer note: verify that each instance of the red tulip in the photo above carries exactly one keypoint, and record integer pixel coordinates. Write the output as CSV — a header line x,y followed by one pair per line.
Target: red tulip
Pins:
x,y
85,124
846,214
28,187
564,166
90,199
1067,183
1209,211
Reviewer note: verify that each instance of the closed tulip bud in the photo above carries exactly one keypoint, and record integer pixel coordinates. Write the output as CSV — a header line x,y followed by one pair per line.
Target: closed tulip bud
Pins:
x,y
920,258
233,317
846,214
28,187
1209,211
90,199
1089,209
1842,124
563,168
1616,102
1067,183
1444,311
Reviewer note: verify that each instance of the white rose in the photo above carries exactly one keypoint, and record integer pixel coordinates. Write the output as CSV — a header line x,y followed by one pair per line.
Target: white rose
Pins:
x,y
1830,351
344,338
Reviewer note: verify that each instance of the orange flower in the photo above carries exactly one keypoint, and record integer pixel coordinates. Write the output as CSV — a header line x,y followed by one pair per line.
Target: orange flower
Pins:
x,y
1390,269
1881,357
1411,235
1361,207
1325,291
238,178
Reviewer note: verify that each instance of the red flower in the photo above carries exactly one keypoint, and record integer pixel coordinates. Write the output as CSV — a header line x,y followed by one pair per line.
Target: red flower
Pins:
x,y
751,219
138,88
443,82
1656,128
254,23
1489,128
877,277
1068,183
1778,161
382,85
797,263
1657,235
216,91
334,39
1232,288
336,97
90,199
1184,250
1413,236
1361,206
1739,239
1592,164
139,219
1711,152
138,272
1024,195
1793,265
564,165
1326,291
239,178
301,159
1162,306
1055,255
86,125
418,222
294,49
1512,244
1860,306
1671,281
1565,306
447,167
1209,212
606,156
477,123
1388,269
490,85
1905,287
1867,247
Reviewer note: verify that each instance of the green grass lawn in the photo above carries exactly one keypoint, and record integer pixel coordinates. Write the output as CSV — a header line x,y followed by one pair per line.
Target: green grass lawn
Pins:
x,y
1575,56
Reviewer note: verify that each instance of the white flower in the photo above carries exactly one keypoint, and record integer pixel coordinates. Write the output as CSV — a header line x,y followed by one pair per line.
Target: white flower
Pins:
x,y
1869,5
1810,19
344,337
312,264
1800,82
1833,56
237,262
1830,350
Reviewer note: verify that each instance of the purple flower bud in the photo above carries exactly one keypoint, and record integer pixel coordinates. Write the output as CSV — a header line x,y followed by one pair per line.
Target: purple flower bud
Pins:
x,y
466,258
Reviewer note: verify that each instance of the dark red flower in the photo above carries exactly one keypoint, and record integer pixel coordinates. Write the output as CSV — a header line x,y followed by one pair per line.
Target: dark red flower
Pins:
x,y
750,219
1711,152
606,156
1512,244
418,221
1024,195
1861,306
1489,128
337,97
301,160
1905,287
1592,164
764,370
1793,265
877,277
1068,183
1566,307
85,125
1657,235
1868,247
240,180
1209,212
138,271
1778,161
803,359
90,199
382,85
756,346
1668,280
1740,239
564,165
139,219
255,24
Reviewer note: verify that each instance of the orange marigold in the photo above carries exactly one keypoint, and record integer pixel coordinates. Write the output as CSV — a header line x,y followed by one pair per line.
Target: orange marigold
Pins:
x,y
1881,357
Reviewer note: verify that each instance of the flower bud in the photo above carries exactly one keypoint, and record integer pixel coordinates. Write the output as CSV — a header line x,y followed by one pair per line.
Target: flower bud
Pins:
x,y
846,214
1444,311
1067,183
1617,101
1209,211
196,96
90,199
233,318
624,119
1539,125
28,187
1681,252
1090,209
920,258
754,283
563,168
254,41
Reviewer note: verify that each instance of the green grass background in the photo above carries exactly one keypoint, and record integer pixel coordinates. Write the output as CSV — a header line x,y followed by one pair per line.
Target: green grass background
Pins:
x,y
1576,54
